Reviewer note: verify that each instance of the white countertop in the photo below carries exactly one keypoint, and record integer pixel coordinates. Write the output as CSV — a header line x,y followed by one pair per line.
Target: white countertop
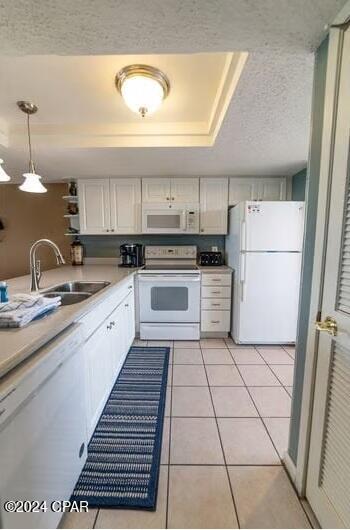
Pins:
x,y
18,344
212,269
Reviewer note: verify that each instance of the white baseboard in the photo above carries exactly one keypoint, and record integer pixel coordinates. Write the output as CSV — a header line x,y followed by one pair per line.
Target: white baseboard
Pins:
x,y
290,467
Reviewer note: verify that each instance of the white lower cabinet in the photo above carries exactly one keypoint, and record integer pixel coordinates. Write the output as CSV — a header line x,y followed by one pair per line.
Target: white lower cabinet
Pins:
x,y
105,351
216,303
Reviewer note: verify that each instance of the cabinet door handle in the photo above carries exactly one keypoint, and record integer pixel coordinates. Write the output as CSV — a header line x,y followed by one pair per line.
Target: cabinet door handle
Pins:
x,y
168,198
126,305
112,323
202,229
109,327
107,230
130,287
216,280
173,198
112,229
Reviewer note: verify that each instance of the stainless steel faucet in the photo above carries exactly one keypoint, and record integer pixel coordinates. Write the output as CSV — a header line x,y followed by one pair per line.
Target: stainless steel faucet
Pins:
x,y
35,272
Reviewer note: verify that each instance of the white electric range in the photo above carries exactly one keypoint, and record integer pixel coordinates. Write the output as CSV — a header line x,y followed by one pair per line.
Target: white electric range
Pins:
x,y
169,293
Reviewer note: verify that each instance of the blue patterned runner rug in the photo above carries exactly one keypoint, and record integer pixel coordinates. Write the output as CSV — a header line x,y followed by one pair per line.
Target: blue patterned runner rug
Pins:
x,y
122,466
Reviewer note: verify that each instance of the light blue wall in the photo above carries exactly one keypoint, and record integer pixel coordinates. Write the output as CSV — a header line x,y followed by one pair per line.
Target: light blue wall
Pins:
x,y
299,185
312,185
108,246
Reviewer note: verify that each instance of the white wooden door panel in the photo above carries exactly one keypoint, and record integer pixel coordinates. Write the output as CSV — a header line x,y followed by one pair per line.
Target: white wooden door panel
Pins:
x,y
213,205
328,478
185,190
94,206
125,196
156,190
242,189
272,189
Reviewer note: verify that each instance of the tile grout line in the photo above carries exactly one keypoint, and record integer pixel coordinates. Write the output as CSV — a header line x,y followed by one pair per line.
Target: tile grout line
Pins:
x,y
261,418
278,379
95,520
221,444
169,444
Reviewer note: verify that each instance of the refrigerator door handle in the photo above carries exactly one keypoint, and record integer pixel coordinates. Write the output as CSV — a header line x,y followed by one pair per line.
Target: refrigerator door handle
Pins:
x,y
243,235
242,278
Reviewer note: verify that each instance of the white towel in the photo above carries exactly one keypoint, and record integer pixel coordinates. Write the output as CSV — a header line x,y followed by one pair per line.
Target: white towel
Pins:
x,y
23,308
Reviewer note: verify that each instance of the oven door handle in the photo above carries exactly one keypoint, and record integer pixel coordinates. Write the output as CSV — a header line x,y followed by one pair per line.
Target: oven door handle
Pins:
x,y
168,277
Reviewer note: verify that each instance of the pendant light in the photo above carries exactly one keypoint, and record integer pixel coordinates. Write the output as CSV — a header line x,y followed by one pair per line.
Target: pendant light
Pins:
x,y
3,175
142,87
31,182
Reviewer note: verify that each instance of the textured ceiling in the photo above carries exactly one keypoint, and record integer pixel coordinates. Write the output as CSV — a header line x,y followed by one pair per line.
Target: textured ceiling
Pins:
x,y
266,128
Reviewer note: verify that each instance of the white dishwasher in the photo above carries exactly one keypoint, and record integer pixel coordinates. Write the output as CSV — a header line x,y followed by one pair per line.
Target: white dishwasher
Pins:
x,y
43,430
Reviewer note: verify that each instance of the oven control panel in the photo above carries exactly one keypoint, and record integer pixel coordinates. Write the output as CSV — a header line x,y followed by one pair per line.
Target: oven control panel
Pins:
x,y
171,252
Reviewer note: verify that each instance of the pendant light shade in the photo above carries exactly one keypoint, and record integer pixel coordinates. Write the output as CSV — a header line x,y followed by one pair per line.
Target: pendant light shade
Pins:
x,y
3,175
142,87
31,182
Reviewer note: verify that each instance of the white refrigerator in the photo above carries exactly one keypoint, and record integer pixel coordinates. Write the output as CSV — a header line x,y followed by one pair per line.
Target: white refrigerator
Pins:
x,y
264,247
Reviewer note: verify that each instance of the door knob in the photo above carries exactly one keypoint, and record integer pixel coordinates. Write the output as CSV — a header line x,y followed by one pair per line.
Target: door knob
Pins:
x,y
329,325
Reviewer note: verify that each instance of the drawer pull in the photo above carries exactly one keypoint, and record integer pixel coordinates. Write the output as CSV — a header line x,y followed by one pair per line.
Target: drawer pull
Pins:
x,y
216,305
216,292
216,279
215,321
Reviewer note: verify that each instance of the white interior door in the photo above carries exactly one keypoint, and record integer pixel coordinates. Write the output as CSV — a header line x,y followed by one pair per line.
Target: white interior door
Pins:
x,y
328,478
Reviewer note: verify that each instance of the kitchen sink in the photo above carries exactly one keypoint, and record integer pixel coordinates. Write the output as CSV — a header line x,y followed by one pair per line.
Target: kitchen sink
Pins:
x,y
78,287
74,292
68,298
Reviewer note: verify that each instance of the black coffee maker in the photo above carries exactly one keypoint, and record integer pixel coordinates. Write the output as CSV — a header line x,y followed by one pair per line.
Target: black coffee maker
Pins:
x,y
131,255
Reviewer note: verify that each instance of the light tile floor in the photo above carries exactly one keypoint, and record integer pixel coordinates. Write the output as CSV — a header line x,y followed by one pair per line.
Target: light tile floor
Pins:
x,y
225,432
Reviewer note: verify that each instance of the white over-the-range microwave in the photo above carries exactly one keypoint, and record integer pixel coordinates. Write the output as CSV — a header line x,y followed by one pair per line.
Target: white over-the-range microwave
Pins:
x,y
170,218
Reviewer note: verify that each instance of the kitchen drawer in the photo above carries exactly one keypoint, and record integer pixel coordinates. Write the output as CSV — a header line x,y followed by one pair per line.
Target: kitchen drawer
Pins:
x,y
216,279
216,304
216,292
96,315
215,320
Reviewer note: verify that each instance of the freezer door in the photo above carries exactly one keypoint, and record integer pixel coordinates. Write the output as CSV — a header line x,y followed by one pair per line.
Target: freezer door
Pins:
x,y
266,304
273,225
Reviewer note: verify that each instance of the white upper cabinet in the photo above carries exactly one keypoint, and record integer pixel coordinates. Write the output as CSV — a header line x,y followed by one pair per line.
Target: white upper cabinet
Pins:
x,y
242,189
170,190
156,190
184,190
257,189
125,194
213,205
273,189
94,206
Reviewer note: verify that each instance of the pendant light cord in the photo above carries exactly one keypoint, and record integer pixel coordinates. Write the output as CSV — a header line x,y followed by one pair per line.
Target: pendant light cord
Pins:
x,y
31,163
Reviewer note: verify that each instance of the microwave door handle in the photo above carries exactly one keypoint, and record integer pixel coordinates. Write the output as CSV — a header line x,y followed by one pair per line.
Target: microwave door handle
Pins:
x,y
184,220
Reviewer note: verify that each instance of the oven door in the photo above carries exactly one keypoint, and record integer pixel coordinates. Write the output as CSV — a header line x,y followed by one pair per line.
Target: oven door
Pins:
x,y
169,297
163,220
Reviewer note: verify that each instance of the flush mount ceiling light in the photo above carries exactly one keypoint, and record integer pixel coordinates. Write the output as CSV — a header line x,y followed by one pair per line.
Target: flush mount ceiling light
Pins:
x,y
3,175
31,182
142,87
